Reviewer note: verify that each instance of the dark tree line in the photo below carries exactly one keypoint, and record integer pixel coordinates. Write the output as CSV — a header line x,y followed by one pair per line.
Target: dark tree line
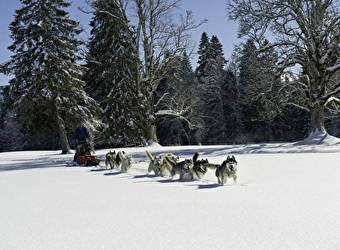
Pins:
x,y
137,83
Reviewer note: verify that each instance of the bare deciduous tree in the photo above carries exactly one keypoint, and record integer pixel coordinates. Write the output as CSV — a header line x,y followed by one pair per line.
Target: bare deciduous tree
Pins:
x,y
306,35
162,35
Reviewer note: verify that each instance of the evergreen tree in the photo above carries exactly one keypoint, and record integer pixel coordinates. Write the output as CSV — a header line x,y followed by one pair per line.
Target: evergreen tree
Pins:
x,y
186,63
47,91
292,125
231,108
112,74
210,75
332,125
11,137
203,56
252,83
196,122
217,53
3,108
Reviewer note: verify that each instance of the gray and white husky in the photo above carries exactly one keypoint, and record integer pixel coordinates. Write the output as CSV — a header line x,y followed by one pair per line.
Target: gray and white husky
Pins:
x,y
160,165
228,169
155,163
181,168
166,164
126,161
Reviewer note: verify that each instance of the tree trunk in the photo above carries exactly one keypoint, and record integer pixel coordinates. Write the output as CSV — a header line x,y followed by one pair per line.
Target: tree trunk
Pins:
x,y
65,146
150,132
317,118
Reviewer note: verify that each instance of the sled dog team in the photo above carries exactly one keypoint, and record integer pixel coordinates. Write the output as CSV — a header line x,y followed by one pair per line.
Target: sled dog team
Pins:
x,y
169,164
118,160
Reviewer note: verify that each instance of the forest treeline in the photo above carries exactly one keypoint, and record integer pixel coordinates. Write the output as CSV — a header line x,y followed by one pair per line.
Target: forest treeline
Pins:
x,y
133,81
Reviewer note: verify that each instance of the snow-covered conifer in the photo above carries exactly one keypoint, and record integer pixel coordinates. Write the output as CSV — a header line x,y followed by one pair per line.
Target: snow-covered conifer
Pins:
x,y
112,74
47,90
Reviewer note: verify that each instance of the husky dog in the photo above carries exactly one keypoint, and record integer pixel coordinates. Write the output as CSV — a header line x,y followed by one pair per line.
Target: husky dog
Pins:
x,y
227,170
165,165
118,160
181,168
110,159
126,161
199,168
155,163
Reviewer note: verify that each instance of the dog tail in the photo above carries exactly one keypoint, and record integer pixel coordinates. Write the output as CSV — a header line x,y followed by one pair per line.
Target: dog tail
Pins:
x,y
211,166
121,155
195,157
149,155
169,160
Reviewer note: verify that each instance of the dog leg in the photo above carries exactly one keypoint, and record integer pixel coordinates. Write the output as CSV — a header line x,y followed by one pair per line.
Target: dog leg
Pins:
x,y
181,175
218,177
192,175
150,168
235,178
217,174
225,179
172,173
156,170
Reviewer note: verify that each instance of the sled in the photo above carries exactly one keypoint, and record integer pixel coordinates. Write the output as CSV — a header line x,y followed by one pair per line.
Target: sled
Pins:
x,y
83,155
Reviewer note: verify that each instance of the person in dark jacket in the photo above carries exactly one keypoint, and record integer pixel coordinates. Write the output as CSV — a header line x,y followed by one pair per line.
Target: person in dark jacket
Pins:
x,y
81,134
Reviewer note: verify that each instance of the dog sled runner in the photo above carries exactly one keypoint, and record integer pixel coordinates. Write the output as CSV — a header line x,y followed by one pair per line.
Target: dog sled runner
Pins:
x,y
83,155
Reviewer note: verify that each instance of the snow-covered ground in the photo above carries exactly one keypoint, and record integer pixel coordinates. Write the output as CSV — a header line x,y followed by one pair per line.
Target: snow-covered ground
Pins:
x,y
287,197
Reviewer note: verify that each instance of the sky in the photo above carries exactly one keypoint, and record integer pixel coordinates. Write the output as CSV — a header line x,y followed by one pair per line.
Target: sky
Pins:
x,y
215,11
287,196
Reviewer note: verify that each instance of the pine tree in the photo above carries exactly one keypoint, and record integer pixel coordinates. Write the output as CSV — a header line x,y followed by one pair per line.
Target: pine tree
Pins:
x,y
292,125
231,108
47,91
11,137
204,55
112,74
210,75
186,63
249,77
217,53
256,83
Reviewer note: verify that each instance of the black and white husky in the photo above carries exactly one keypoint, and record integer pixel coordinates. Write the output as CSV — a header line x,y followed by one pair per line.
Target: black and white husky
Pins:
x,y
199,168
228,169
110,159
